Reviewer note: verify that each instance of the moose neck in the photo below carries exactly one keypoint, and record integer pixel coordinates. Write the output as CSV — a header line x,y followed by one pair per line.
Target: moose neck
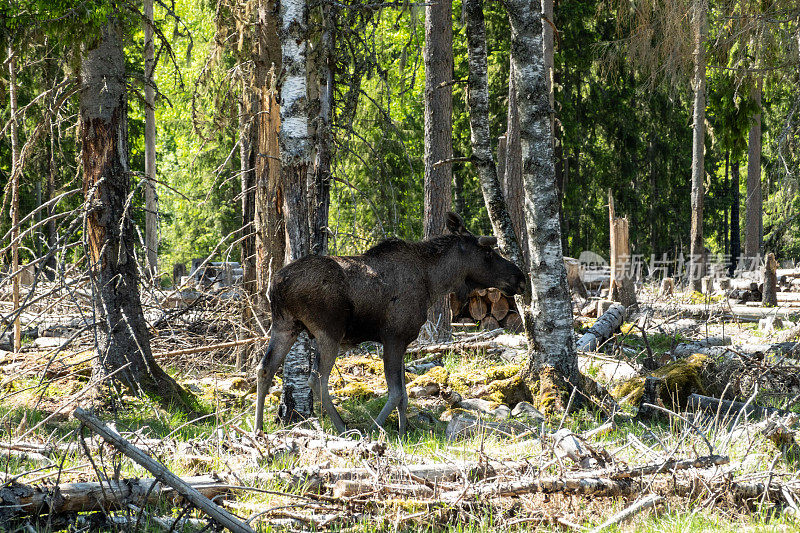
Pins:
x,y
445,272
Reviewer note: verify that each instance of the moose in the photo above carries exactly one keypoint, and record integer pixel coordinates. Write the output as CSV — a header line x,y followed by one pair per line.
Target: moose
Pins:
x,y
380,296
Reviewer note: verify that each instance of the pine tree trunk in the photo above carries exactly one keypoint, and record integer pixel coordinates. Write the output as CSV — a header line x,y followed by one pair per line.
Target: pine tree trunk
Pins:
x,y
248,106
735,229
438,58
15,172
150,195
553,357
122,338
651,163
297,401
697,249
754,204
725,243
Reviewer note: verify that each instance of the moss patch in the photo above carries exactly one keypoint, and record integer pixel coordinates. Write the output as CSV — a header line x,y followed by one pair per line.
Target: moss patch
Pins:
x,y
437,375
356,390
681,378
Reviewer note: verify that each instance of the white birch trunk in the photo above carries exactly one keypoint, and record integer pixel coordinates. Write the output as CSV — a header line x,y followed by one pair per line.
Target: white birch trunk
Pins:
x,y
554,348
297,401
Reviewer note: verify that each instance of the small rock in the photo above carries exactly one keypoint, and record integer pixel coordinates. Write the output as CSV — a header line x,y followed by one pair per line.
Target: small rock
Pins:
x,y
464,426
484,408
525,409
50,342
431,389
451,397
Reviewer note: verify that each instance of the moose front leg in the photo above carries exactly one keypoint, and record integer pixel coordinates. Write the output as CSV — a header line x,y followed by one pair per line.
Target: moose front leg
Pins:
x,y
394,369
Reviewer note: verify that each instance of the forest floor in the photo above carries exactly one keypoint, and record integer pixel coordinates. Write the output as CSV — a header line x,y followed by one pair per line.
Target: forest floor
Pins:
x,y
468,462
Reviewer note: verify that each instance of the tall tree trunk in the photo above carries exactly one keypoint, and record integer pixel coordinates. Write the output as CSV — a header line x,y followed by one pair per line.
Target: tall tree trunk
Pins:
x,y
15,172
150,196
697,249
651,163
297,401
438,58
122,338
478,102
735,229
248,107
754,205
725,243
553,358
512,175
50,189
322,162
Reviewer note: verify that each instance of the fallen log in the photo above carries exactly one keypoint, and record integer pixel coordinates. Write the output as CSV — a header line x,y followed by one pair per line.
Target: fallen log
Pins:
x,y
24,500
602,330
640,505
214,511
725,408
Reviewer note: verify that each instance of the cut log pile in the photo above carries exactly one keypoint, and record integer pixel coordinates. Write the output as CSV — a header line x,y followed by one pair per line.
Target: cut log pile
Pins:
x,y
489,307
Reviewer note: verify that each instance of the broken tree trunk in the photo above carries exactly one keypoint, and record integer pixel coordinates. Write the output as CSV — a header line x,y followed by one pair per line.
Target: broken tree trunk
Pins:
x,y
602,330
770,298
621,266
214,511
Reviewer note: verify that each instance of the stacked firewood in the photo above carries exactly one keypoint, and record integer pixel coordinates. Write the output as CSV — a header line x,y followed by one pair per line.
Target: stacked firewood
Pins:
x,y
489,307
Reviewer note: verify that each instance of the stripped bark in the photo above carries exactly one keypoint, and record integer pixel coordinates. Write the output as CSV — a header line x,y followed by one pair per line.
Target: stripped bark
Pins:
x,y
553,352
122,337
697,249
513,188
736,247
770,292
297,400
322,162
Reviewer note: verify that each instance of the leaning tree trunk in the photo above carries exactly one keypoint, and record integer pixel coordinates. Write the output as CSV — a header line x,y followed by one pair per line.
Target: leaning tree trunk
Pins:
x,y
150,196
122,338
297,401
553,358
438,57
478,101
697,249
754,204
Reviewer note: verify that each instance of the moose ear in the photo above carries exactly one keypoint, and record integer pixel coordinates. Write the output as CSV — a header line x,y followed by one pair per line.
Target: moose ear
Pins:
x,y
487,241
455,224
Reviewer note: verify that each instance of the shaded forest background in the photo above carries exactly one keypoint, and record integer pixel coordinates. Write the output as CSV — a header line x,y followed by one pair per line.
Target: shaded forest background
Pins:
x,y
621,123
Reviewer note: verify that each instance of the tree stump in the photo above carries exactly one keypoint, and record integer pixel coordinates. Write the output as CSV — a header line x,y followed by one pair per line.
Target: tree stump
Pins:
x,y
770,292
667,288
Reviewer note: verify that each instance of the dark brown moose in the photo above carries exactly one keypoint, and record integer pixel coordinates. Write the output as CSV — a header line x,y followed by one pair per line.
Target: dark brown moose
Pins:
x,y
380,296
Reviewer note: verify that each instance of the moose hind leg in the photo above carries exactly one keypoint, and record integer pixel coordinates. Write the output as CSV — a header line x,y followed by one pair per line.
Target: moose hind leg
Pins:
x,y
328,351
394,369
279,345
